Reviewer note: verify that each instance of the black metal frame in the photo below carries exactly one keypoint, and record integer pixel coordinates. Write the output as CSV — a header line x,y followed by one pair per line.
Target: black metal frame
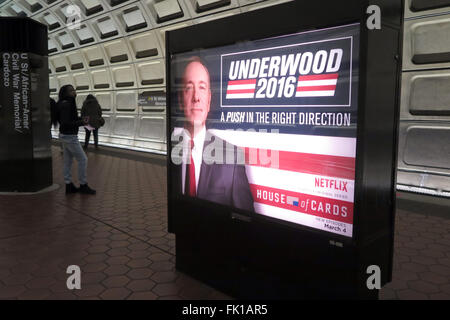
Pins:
x,y
376,158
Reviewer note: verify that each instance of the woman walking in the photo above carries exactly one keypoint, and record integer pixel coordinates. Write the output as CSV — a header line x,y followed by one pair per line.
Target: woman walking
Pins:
x,y
68,119
91,108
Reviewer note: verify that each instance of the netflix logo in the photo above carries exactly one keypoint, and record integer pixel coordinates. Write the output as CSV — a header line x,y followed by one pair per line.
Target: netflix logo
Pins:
x,y
331,184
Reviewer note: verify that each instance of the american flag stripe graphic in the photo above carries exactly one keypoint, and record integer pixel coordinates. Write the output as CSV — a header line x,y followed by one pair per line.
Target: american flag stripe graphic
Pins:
x,y
302,161
323,85
340,167
241,89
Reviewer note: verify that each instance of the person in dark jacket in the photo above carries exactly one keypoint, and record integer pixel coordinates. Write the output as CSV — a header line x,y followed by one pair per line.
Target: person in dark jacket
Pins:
x,y
91,108
69,122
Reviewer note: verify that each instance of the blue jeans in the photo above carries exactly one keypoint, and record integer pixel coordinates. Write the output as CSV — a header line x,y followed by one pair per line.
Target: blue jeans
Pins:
x,y
72,149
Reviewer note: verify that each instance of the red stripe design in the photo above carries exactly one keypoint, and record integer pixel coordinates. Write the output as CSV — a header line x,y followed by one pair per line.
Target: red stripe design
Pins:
x,y
239,82
324,165
330,76
240,91
317,88
313,205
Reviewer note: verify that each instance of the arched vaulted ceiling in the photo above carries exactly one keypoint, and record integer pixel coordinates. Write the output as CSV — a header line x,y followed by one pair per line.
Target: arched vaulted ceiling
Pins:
x,y
116,52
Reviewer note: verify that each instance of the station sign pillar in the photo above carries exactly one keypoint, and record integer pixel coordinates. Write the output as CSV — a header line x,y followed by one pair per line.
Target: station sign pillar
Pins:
x,y
25,138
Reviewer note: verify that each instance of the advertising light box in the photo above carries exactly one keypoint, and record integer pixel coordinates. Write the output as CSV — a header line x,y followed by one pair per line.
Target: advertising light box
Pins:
x,y
269,127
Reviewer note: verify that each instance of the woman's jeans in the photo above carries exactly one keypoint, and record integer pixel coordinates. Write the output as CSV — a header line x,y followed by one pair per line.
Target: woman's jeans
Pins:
x,y
72,149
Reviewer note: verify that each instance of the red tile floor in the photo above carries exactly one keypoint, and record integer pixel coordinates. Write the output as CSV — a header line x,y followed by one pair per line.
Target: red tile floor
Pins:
x,y
119,240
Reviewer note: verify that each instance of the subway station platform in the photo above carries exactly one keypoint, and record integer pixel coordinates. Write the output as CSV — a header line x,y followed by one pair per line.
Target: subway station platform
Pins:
x,y
118,238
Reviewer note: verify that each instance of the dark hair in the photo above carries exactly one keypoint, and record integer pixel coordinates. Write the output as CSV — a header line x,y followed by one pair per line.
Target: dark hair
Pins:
x,y
53,112
91,97
187,62
179,79
62,95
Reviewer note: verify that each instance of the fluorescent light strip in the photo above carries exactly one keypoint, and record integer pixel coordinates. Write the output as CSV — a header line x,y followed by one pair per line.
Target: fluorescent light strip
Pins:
x,y
431,192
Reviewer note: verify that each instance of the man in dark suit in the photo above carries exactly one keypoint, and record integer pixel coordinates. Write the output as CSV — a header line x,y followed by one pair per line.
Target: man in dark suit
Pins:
x,y
203,172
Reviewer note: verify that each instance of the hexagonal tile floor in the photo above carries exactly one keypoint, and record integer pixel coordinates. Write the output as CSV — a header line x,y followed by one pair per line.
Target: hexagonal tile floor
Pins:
x,y
118,238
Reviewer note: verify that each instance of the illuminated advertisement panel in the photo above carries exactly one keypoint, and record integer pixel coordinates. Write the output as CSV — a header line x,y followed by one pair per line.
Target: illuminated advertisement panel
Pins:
x,y
269,126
